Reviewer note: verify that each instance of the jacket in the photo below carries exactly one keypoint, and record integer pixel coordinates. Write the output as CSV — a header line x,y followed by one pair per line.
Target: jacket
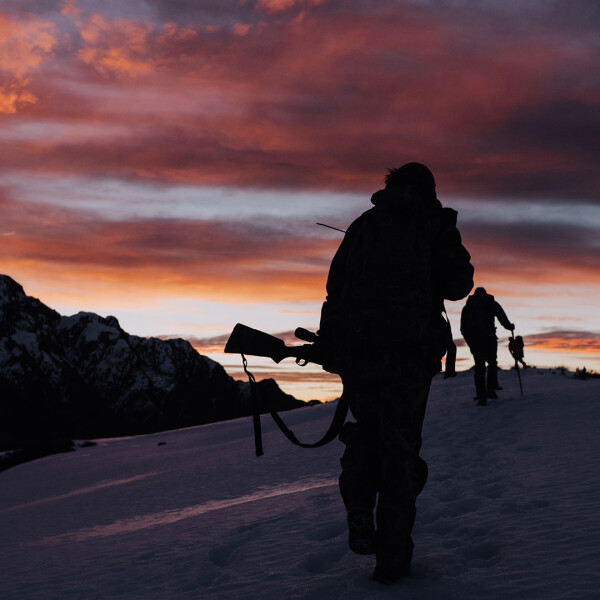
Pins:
x,y
387,284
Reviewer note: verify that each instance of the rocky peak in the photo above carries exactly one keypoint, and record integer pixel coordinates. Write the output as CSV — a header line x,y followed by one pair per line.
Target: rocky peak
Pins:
x,y
10,290
84,374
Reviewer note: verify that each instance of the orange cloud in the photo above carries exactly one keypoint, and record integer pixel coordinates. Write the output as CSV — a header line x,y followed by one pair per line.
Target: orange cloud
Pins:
x,y
127,48
272,7
15,96
571,342
209,259
259,259
24,45
117,47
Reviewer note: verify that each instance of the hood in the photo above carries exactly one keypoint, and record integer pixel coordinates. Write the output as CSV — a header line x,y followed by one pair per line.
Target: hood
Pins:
x,y
480,298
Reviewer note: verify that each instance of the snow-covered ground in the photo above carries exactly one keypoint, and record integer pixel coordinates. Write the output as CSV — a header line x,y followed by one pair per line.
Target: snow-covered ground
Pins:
x,y
511,509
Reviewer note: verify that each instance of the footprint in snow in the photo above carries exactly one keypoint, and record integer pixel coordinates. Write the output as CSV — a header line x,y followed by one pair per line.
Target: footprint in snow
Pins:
x,y
324,559
223,555
328,532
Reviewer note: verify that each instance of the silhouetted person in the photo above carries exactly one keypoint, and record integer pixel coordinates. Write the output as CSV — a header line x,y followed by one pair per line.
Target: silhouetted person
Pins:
x,y
477,324
450,370
516,347
382,323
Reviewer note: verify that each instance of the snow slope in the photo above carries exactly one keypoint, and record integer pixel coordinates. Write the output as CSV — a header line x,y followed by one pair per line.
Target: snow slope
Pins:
x,y
511,508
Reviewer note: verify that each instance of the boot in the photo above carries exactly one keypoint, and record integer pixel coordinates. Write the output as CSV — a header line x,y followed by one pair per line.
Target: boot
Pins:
x,y
480,388
492,381
361,531
358,487
392,568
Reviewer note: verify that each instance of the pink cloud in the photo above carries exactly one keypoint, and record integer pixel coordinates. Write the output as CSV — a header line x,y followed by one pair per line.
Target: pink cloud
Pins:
x,y
242,29
326,101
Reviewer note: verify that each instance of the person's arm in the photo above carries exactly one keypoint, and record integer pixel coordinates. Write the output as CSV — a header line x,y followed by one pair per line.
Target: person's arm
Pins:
x,y
501,316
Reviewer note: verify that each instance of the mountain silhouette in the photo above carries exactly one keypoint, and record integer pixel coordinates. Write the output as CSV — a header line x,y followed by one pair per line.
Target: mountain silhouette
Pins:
x,y
83,376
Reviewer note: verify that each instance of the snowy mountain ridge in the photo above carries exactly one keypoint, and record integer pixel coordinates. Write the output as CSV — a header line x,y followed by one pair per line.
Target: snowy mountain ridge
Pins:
x,y
84,376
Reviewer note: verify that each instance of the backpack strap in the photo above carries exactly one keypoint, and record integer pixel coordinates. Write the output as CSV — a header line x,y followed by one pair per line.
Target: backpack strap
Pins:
x,y
337,422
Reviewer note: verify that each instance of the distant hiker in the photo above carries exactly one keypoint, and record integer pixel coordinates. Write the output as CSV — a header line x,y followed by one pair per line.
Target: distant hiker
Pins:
x,y
383,329
516,347
477,324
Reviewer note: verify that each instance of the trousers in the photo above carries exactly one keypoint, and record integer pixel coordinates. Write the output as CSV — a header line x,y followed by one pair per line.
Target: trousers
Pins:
x,y
381,467
485,356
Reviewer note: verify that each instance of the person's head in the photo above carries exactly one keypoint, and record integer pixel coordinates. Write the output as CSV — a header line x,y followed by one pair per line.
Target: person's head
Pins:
x,y
479,292
412,176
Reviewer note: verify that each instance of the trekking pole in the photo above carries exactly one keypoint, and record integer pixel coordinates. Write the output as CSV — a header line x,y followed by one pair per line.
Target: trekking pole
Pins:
x,y
512,337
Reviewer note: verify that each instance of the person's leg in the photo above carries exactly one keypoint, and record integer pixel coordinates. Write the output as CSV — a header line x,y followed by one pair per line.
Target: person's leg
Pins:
x,y
358,486
403,474
492,371
360,467
479,374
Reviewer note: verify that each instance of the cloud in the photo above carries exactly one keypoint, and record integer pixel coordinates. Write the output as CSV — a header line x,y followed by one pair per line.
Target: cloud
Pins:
x,y
272,7
533,252
241,29
25,43
124,47
259,258
580,342
70,8
115,47
15,96
241,261
328,101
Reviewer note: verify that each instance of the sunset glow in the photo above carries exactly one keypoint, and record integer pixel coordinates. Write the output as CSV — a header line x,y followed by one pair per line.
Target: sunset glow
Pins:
x,y
167,161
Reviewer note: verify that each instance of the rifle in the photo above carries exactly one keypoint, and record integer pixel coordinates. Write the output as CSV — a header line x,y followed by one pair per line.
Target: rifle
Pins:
x,y
246,340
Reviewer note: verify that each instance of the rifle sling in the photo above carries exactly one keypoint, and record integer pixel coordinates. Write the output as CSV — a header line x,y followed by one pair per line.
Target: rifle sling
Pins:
x,y
337,422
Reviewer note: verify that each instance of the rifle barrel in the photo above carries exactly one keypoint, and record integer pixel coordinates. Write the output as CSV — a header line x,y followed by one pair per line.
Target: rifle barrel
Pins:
x,y
330,227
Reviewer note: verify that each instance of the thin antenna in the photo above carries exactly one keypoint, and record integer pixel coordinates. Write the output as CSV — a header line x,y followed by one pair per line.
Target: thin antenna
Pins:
x,y
330,227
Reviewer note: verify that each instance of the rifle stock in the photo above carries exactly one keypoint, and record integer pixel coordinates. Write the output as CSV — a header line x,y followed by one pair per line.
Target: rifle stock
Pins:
x,y
246,340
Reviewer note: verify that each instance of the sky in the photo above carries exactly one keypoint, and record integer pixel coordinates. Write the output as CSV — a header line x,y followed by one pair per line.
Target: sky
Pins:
x,y
166,162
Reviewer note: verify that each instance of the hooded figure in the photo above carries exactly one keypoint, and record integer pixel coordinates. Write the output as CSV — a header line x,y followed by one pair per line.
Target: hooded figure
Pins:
x,y
477,324
383,329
